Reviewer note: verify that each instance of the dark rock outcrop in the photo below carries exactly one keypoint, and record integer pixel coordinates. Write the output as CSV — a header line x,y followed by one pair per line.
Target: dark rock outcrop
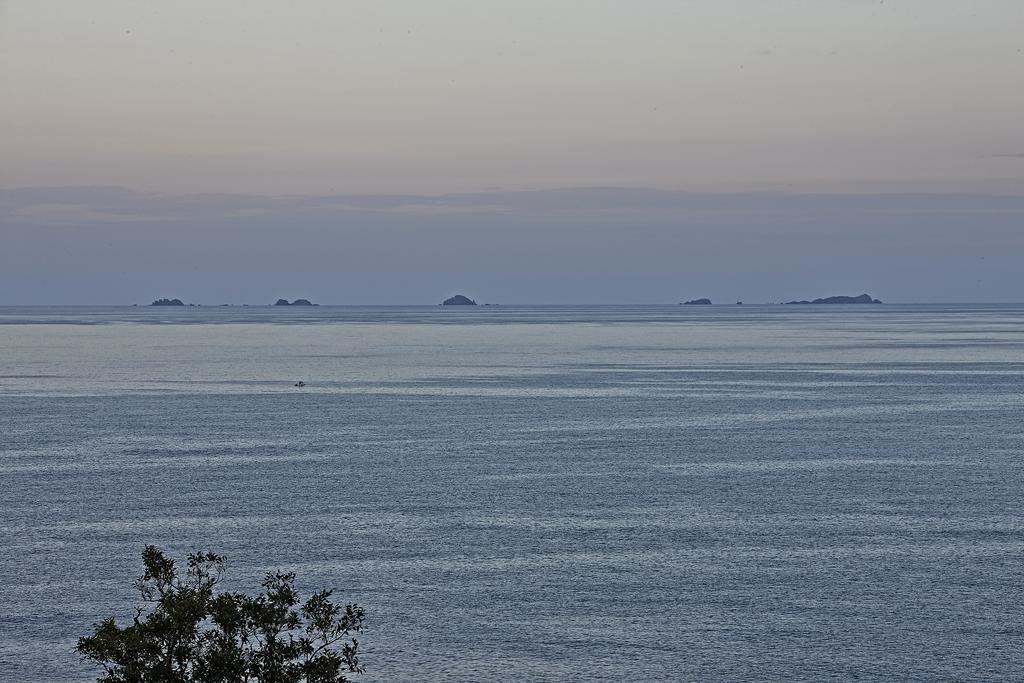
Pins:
x,y
458,300
297,302
167,302
697,302
862,299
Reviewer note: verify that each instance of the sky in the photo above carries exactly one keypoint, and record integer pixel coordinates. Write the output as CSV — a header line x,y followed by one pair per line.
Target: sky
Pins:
x,y
572,151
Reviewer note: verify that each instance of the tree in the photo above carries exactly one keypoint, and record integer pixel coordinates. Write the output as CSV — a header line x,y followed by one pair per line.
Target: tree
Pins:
x,y
187,631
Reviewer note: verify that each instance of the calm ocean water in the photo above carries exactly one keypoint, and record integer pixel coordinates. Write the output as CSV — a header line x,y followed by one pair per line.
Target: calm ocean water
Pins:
x,y
542,494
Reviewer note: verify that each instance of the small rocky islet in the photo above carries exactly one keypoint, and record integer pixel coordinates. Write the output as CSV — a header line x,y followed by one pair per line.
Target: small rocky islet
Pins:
x,y
458,300
861,299
297,302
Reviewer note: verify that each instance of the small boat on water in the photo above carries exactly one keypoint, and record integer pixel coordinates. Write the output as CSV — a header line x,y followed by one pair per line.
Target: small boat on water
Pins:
x,y
300,384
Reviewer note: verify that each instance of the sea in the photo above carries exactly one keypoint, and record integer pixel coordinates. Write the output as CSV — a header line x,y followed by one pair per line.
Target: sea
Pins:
x,y
534,493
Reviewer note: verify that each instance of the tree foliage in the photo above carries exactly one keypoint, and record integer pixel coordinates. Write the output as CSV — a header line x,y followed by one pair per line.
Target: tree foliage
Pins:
x,y
187,631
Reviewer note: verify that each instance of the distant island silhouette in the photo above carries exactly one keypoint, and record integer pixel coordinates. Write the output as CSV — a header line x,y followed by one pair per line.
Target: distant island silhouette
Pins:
x,y
862,299
297,302
458,300
463,300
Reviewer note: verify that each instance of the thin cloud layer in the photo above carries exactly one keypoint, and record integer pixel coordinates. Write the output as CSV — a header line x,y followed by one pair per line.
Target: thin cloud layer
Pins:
x,y
573,245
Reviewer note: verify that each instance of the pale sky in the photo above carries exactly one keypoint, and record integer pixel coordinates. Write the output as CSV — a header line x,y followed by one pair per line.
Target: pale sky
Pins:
x,y
380,96
401,151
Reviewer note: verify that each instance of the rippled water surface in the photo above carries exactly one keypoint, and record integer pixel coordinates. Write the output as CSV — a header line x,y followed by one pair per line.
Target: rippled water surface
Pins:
x,y
545,494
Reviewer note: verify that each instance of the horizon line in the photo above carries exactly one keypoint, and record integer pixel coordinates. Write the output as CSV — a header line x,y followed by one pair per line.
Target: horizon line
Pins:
x,y
498,304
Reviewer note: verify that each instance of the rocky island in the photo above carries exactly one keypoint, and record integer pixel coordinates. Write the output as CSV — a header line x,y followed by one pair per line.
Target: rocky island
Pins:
x,y
168,302
697,302
297,302
862,299
458,300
